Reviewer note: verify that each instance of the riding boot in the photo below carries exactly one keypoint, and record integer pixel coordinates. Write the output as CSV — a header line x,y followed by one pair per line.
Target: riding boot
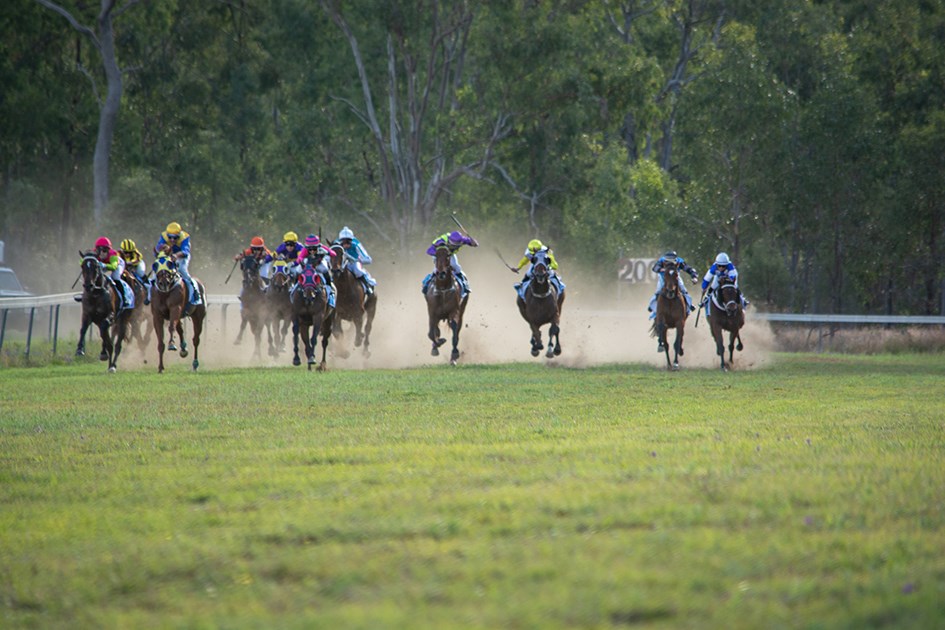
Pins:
x,y
194,295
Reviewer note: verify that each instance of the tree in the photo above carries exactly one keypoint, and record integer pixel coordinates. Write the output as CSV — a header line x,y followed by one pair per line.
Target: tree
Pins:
x,y
102,38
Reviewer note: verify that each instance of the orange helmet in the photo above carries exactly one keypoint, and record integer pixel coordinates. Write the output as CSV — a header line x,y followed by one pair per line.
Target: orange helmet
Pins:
x,y
257,242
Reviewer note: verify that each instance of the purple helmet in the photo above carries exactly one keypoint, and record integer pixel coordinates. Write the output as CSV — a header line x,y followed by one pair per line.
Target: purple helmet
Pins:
x,y
456,238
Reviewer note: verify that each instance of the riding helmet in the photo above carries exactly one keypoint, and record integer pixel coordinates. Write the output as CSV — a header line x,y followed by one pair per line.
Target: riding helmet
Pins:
x,y
128,245
670,255
257,242
345,233
722,259
456,238
103,241
312,241
534,245
173,227
290,237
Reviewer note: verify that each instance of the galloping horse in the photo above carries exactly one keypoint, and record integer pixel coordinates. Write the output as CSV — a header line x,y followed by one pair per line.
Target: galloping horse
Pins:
x,y
100,306
280,305
352,304
137,319
725,313
445,302
310,309
671,312
254,306
542,305
168,302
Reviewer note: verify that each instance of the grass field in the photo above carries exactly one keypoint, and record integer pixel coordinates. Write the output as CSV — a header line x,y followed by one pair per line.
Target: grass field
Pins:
x,y
807,494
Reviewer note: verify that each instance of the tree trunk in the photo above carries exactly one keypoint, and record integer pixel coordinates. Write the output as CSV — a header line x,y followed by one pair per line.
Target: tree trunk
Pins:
x,y
108,115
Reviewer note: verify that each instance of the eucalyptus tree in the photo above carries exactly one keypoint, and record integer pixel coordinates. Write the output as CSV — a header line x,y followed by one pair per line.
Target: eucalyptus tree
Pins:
x,y
102,38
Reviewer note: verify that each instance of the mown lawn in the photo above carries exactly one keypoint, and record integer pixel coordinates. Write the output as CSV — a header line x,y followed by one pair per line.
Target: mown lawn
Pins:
x,y
807,494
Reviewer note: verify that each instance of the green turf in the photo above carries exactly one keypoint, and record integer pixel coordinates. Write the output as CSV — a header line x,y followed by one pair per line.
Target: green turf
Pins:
x,y
810,494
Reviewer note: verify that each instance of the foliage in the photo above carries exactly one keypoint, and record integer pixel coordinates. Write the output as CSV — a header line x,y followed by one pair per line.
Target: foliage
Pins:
x,y
795,135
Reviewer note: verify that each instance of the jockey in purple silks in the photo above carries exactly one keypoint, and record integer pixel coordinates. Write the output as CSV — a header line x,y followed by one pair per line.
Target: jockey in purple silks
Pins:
x,y
453,241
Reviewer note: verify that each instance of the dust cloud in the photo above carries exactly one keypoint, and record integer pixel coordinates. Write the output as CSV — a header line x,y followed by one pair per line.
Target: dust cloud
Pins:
x,y
601,323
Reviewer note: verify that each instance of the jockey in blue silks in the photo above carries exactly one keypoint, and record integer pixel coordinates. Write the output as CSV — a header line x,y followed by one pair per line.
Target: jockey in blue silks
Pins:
x,y
722,268
659,267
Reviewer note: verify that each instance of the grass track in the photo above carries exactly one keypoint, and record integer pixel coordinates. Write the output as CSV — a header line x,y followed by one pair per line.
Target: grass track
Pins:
x,y
810,494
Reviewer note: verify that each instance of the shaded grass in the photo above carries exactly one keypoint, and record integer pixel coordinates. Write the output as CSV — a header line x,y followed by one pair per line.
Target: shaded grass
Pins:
x,y
809,494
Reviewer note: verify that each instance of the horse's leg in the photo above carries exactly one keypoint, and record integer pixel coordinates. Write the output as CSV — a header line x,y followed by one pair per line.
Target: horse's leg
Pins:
x,y
369,310
158,323
295,341
107,348
554,349
326,334
243,318
197,321
180,334
434,335
80,347
455,326
536,339
660,336
680,331
719,345
122,326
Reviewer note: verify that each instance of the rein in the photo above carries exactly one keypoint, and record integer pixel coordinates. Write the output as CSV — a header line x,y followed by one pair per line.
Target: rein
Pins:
x,y
97,283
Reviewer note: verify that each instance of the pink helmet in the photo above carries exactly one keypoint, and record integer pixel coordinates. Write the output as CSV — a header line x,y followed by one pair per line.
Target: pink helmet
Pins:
x,y
456,238
103,241
312,241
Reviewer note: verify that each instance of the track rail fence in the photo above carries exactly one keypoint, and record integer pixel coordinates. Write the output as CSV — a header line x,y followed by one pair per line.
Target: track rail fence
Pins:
x,y
51,310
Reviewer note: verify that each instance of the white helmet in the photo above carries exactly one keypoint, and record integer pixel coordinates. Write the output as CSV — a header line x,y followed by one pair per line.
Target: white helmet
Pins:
x,y
345,233
722,259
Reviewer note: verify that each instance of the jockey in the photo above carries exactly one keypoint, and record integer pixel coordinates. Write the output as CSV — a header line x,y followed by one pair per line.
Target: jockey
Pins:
x,y
114,266
289,250
454,241
357,256
257,249
176,242
313,255
535,250
134,262
659,267
723,268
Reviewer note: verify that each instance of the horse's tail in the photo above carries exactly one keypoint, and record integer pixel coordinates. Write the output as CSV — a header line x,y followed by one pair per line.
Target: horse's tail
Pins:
x,y
653,331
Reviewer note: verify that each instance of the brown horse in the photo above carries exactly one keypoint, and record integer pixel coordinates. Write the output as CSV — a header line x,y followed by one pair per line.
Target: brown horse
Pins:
x,y
254,306
353,304
671,312
139,327
542,305
100,306
169,304
445,301
311,309
725,313
280,305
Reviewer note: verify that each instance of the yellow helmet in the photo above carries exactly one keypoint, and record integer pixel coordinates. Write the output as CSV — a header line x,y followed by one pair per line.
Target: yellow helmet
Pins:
x,y
128,245
534,245
173,227
290,236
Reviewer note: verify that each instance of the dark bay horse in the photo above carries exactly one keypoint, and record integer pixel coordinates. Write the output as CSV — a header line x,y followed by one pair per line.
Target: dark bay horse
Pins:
x,y
254,306
542,305
671,312
352,304
445,301
139,326
310,309
100,306
280,304
725,313
169,302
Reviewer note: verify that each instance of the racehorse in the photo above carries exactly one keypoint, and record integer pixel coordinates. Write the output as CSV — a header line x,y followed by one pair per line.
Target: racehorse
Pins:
x,y
138,318
351,303
280,305
445,301
100,306
542,305
254,306
310,309
725,313
169,301
671,312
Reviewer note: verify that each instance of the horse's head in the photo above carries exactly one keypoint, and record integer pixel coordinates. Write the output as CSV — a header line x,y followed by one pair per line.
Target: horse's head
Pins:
x,y
442,262
166,274
540,266
728,296
280,275
310,283
338,260
93,272
670,279
250,268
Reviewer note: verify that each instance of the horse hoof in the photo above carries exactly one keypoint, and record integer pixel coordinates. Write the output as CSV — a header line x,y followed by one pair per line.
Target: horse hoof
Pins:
x,y
196,364
454,357
103,357
551,353
183,353
172,347
452,361
557,350
661,348
309,367
739,347
322,367
535,352
440,342
296,361
435,351
112,369
681,352
80,353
